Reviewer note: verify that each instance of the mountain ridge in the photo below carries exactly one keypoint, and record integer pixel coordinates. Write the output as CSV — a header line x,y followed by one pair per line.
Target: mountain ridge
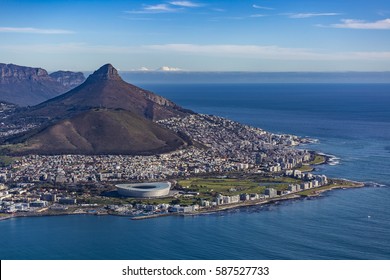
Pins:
x,y
103,115
26,86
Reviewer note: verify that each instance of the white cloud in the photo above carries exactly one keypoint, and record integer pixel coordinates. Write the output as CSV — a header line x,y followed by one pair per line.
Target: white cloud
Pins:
x,y
267,52
187,4
168,69
232,50
155,9
34,30
237,17
262,7
170,7
159,7
310,15
69,48
361,24
227,52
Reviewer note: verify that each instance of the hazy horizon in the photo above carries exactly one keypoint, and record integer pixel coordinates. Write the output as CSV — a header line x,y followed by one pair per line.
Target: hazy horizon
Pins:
x,y
226,77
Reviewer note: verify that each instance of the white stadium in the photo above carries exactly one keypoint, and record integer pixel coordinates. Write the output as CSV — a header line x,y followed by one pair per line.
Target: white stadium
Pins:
x,y
146,190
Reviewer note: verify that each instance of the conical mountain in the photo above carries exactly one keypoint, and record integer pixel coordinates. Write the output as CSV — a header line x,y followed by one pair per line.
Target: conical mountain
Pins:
x,y
106,89
104,115
106,72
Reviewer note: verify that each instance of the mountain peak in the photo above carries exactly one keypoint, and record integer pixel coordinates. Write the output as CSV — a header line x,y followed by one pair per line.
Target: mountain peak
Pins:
x,y
106,72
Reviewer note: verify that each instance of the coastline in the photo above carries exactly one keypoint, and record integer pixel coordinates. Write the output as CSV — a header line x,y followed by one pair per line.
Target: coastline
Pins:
x,y
298,195
314,192
318,191
320,158
331,225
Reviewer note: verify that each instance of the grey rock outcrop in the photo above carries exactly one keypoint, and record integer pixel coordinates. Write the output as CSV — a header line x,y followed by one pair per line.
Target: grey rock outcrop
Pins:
x,y
29,86
68,79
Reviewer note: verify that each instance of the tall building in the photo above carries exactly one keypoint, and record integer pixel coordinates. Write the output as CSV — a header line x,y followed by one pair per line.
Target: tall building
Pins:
x,y
271,192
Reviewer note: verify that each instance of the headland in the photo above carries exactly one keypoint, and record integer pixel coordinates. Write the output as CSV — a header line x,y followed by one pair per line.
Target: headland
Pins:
x,y
65,156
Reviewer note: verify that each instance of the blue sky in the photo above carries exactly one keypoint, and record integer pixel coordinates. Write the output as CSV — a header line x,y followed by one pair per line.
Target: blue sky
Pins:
x,y
241,35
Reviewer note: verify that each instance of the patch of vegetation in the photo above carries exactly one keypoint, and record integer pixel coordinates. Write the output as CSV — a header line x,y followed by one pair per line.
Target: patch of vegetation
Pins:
x,y
340,182
286,180
318,159
223,186
208,187
6,161
305,168
154,201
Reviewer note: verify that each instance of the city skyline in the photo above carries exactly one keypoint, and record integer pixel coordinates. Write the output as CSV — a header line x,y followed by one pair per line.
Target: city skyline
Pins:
x,y
258,35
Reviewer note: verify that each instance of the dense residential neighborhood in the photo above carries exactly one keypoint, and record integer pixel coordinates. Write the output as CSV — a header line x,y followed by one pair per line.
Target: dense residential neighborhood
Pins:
x,y
39,183
222,146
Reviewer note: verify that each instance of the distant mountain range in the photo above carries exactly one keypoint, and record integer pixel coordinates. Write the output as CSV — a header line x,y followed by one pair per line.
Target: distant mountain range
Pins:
x,y
104,115
29,86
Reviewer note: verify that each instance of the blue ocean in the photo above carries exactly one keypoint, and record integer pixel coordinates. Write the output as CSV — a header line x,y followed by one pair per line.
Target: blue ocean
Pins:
x,y
351,123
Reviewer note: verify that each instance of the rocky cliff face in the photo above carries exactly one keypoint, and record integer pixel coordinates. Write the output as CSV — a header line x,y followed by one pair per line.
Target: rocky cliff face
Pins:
x,y
10,73
68,79
29,86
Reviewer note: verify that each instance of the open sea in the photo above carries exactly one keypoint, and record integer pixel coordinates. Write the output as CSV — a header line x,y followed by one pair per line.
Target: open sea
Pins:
x,y
351,122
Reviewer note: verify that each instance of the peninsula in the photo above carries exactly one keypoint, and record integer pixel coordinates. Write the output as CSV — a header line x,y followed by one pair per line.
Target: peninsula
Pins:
x,y
65,156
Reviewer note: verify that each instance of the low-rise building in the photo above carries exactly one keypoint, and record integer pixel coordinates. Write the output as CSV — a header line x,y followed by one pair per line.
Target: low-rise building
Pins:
x,y
67,200
38,204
